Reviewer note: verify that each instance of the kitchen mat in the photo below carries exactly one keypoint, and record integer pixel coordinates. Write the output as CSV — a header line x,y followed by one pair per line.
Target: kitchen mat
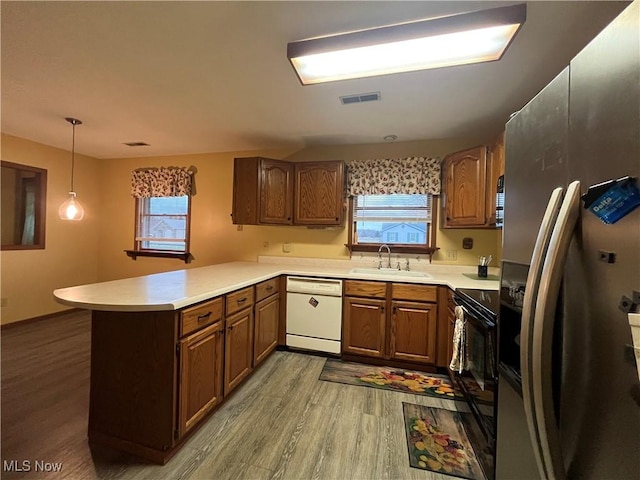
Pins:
x,y
389,378
436,441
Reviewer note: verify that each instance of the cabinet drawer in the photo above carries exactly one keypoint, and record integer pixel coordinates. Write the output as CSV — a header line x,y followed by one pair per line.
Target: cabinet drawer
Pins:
x,y
193,318
266,288
420,293
355,288
238,300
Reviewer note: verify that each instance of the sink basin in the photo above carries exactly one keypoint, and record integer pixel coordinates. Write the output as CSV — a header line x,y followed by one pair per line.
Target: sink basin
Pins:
x,y
389,272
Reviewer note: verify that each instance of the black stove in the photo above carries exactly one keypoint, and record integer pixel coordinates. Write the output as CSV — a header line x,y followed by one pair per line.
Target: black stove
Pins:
x,y
478,378
485,303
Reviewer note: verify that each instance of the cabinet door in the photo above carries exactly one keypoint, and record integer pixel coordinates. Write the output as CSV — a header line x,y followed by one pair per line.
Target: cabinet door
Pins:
x,y
363,327
200,375
319,193
246,181
267,315
276,192
465,188
495,168
238,349
413,331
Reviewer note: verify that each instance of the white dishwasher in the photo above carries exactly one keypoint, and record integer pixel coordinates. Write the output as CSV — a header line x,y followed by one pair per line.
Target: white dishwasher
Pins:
x,y
314,313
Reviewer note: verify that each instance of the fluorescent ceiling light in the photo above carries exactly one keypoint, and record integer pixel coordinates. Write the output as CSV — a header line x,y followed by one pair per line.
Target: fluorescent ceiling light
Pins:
x,y
455,40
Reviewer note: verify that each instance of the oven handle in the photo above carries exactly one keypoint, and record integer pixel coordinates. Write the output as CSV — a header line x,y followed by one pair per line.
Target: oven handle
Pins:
x,y
473,318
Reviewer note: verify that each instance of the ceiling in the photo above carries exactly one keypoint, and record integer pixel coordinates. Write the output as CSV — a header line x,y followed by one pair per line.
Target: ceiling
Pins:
x,y
194,77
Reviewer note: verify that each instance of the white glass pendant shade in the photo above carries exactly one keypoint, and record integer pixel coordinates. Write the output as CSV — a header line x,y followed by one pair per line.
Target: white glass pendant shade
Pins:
x,y
71,209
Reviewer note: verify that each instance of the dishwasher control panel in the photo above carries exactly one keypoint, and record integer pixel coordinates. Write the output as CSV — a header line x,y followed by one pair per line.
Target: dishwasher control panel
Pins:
x,y
317,286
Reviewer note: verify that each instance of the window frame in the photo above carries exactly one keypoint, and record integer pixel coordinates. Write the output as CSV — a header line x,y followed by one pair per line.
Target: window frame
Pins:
x,y
139,251
427,249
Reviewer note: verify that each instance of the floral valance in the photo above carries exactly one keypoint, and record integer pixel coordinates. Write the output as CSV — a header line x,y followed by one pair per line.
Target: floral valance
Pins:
x,y
411,175
161,182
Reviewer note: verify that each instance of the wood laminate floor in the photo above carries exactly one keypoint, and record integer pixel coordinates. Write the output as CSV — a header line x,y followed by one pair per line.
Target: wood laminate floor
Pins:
x,y
283,423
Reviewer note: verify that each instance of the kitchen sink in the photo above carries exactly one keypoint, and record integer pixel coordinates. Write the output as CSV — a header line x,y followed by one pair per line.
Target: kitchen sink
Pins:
x,y
389,272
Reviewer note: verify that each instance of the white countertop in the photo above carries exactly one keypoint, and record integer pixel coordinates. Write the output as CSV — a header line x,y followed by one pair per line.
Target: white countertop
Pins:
x,y
181,288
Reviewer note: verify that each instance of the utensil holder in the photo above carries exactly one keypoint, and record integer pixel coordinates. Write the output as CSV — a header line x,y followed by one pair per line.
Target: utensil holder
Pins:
x,y
482,271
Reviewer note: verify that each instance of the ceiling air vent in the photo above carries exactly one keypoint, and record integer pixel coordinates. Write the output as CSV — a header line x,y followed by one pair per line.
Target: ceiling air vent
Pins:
x,y
360,98
136,144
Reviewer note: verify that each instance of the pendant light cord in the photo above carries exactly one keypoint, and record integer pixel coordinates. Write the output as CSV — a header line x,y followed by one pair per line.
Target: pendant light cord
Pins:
x,y
73,153
73,122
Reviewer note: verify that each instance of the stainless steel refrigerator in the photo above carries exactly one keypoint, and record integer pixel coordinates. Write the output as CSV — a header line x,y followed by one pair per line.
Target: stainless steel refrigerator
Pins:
x,y
569,395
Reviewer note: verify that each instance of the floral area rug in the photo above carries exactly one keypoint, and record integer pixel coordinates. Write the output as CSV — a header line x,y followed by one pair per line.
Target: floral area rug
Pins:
x,y
436,441
389,378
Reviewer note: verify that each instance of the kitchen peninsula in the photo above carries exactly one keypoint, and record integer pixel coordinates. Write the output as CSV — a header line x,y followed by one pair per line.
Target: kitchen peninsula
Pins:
x,y
166,349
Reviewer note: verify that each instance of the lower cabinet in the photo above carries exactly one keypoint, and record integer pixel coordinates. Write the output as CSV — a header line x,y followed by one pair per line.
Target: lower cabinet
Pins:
x,y
364,326
156,375
413,331
238,348
390,321
201,357
267,320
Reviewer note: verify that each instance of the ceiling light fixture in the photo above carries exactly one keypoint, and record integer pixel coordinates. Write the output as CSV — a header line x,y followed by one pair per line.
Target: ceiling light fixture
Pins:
x,y
481,36
71,209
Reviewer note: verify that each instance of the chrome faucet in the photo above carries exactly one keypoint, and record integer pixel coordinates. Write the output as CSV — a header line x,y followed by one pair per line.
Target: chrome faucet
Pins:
x,y
379,256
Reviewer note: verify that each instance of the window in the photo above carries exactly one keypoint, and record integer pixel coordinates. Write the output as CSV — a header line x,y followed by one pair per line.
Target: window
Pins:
x,y
401,220
162,227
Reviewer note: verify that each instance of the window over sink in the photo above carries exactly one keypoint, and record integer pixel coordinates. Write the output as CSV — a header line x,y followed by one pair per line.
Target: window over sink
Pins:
x,y
405,222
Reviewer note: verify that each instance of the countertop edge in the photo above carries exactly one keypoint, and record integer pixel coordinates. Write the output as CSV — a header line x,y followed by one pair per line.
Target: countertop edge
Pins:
x,y
72,296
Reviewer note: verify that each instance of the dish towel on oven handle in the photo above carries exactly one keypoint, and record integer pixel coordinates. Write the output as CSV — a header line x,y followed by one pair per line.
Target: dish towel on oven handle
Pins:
x,y
459,356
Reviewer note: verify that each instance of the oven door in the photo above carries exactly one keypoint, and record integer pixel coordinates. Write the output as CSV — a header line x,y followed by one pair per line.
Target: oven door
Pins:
x,y
480,350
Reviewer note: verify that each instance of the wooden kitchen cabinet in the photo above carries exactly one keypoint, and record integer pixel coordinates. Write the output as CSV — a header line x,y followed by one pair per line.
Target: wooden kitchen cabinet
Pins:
x,y
201,374
495,168
277,192
413,331
405,332
238,348
319,193
364,324
469,185
465,188
262,191
266,320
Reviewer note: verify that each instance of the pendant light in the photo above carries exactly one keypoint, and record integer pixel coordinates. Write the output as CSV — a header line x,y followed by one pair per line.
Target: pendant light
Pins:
x,y
71,209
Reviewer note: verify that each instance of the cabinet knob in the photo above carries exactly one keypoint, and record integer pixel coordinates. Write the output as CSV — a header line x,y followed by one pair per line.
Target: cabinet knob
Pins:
x,y
337,218
230,327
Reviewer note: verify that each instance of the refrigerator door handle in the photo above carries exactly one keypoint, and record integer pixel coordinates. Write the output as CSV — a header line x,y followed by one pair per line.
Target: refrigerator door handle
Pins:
x,y
530,295
543,326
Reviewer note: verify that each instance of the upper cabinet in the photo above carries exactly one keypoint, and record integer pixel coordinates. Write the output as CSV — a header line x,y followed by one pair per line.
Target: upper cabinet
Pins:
x,y
262,191
470,180
319,193
276,192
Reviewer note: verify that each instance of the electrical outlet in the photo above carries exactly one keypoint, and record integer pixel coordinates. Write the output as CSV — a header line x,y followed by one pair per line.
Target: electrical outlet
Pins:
x,y
452,254
265,244
4,301
239,228
287,247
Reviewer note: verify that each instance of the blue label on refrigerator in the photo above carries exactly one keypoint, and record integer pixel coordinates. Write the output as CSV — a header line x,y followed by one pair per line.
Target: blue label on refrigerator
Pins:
x,y
612,200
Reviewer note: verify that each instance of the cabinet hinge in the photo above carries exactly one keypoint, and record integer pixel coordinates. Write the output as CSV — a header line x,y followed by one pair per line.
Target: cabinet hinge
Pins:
x,y
176,434
177,349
